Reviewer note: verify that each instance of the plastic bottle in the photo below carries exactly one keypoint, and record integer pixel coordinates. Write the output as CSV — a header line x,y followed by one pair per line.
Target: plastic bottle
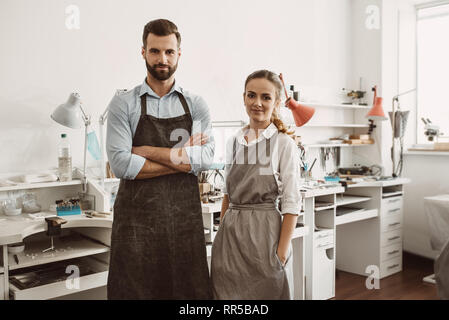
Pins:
x,y
64,159
291,91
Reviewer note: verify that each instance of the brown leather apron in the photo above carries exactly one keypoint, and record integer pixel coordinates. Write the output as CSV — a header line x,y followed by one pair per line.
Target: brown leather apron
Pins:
x,y
157,245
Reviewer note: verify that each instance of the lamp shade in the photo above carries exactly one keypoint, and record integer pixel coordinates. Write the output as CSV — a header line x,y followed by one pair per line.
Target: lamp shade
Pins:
x,y
377,112
69,113
301,113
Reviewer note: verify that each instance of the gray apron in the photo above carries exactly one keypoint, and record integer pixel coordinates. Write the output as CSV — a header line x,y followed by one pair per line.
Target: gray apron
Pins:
x,y
157,246
244,260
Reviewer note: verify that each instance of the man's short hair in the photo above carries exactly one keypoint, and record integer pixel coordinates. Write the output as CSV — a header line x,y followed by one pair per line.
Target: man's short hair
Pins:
x,y
160,27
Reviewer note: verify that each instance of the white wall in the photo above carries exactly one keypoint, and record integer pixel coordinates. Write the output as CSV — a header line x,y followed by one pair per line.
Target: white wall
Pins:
x,y
223,41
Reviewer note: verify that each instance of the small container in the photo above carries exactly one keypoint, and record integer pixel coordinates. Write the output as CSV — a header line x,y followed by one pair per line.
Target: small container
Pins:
x,y
15,248
29,203
11,207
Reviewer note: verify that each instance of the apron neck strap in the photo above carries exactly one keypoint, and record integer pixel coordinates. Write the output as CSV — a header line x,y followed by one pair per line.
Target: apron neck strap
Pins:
x,y
183,102
143,103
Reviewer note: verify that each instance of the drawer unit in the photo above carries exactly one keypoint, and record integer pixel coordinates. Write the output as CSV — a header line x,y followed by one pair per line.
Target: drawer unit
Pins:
x,y
390,266
391,206
391,237
323,239
391,223
390,252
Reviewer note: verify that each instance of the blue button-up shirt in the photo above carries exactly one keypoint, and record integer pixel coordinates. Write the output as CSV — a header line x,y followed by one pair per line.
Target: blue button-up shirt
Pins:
x,y
123,117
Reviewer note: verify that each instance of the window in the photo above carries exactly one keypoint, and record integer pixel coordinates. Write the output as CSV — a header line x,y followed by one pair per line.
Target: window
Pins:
x,y
433,69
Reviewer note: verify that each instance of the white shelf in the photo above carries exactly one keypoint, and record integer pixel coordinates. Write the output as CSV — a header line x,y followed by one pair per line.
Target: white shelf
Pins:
x,y
349,199
334,105
331,145
59,288
66,248
329,206
23,186
357,215
336,125
391,194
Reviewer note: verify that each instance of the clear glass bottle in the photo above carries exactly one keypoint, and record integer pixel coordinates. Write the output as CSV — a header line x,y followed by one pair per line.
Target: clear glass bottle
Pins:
x,y
64,159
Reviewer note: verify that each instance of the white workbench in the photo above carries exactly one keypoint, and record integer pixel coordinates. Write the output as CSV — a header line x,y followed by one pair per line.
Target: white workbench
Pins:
x,y
352,228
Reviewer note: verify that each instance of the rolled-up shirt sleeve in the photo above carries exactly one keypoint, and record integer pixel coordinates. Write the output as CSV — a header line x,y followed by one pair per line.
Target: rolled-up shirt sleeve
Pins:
x,y
201,157
119,137
289,176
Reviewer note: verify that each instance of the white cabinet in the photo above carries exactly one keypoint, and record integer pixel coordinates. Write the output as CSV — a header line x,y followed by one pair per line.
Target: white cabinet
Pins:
x,y
378,241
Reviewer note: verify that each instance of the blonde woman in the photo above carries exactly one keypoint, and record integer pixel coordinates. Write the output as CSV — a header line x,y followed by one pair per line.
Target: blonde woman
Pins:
x,y
251,254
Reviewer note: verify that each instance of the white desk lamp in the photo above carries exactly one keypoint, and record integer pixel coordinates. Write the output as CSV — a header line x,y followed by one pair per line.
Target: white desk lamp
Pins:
x,y
72,115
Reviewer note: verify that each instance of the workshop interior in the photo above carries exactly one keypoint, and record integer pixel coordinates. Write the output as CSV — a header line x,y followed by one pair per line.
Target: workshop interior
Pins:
x,y
365,84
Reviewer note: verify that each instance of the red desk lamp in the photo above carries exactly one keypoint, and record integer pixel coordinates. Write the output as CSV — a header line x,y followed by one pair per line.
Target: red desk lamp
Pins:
x,y
301,113
376,112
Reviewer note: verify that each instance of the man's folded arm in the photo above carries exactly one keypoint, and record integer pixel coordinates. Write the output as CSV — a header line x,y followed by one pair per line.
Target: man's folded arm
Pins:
x,y
125,164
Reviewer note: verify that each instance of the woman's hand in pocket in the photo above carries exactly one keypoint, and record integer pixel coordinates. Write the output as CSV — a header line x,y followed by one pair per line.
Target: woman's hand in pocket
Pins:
x,y
282,256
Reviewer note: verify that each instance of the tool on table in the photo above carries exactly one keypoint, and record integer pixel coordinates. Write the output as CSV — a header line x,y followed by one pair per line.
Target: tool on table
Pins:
x,y
92,214
69,207
53,229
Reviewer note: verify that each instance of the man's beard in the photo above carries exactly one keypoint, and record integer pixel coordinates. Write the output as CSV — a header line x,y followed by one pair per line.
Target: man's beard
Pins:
x,y
161,75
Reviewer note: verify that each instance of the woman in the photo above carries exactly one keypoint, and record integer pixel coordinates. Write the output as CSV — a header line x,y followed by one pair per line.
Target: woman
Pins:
x,y
251,253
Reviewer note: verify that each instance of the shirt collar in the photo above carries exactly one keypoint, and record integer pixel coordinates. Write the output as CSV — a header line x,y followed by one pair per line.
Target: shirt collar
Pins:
x,y
145,88
266,134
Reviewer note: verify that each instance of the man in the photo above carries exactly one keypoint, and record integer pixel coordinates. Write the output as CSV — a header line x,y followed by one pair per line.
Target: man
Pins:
x,y
156,146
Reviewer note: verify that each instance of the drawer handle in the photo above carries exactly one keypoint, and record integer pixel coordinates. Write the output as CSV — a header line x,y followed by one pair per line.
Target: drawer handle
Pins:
x,y
393,266
394,238
323,236
393,201
394,224
394,210
393,252
324,245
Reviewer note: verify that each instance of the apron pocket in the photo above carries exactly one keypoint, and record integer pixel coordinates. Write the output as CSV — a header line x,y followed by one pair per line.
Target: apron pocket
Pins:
x,y
279,260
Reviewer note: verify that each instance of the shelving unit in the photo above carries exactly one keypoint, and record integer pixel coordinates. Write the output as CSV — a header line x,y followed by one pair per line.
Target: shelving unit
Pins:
x,y
83,239
26,186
